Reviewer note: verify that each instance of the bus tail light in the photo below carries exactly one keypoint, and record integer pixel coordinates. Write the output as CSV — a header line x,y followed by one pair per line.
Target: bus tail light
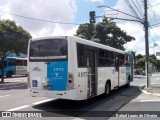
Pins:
x,y
70,81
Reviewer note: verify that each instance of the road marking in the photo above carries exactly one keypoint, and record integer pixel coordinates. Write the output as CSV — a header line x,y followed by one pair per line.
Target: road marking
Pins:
x,y
156,94
157,100
145,92
47,100
18,108
5,96
78,119
25,106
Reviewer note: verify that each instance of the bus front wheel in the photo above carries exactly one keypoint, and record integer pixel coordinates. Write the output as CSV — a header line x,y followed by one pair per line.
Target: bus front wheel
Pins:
x,y
9,74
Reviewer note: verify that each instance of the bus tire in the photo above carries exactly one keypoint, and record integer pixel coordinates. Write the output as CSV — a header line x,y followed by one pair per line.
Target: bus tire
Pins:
x,y
9,74
128,84
107,89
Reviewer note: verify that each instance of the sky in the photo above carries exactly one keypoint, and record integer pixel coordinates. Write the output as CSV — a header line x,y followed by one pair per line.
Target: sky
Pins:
x,y
46,18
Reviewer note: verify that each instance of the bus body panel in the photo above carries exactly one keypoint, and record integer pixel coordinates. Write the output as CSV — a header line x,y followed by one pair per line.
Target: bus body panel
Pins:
x,y
57,74
38,74
21,70
122,76
105,74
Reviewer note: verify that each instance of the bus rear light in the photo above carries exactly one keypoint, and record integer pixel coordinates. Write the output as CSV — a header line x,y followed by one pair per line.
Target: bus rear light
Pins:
x,y
70,75
70,81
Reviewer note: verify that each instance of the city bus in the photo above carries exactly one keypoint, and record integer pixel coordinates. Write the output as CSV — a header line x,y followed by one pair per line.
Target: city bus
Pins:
x,y
14,66
69,67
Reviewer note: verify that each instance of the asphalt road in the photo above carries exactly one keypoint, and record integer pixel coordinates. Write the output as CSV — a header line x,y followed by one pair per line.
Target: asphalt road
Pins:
x,y
15,97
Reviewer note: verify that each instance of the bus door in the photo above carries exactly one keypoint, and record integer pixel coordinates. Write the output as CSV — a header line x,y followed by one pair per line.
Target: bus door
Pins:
x,y
92,69
116,72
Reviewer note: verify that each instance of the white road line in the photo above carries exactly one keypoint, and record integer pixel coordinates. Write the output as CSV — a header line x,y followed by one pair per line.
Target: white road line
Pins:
x,y
156,100
18,108
5,96
25,106
78,119
156,94
47,100
145,92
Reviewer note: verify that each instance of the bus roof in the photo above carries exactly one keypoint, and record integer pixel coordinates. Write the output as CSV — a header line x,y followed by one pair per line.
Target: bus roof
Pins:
x,y
17,58
82,41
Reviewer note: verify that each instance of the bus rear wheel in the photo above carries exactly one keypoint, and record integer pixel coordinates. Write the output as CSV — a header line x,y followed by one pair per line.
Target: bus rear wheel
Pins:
x,y
107,89
9,74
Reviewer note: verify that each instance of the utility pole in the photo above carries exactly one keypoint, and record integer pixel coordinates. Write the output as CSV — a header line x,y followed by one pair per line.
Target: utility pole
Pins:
x,y
146,43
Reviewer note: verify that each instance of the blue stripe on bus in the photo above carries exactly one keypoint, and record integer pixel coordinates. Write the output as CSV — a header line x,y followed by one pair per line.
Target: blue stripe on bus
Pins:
x,y
57,73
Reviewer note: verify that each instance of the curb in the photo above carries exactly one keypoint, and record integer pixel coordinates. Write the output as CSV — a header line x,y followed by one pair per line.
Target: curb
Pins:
x,y
146,92
6,86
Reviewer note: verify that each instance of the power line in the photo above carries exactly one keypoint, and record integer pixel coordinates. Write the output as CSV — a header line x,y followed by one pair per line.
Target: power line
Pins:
x,y
154,5
137,7
132,8
157,24
41,20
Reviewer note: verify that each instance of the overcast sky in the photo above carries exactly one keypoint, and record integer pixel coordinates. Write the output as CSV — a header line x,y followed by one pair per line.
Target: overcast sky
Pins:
x,y
77,12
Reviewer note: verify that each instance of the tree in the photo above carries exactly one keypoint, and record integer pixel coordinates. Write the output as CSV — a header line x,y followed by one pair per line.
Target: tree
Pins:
x,y
106,33
13,38
140,61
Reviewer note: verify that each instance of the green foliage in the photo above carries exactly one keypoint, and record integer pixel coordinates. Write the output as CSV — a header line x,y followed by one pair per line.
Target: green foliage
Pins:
x,y
133,53
12,38
106,33
140,61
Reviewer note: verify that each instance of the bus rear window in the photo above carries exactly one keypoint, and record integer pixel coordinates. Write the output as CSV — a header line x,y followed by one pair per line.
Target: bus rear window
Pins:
x,y
48,49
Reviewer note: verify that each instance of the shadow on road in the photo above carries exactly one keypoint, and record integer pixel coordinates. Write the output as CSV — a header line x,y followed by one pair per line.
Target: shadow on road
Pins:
x,y
93,107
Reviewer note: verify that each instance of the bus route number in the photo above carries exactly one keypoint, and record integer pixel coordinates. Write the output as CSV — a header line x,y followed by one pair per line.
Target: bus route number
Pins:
x,y
82,74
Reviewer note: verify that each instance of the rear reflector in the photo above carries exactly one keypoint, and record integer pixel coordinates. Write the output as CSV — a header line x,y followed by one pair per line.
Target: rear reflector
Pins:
x,y
69,81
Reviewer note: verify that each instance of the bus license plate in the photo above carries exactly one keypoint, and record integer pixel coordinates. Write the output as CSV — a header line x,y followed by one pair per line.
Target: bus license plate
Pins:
x,y
47,87
34,83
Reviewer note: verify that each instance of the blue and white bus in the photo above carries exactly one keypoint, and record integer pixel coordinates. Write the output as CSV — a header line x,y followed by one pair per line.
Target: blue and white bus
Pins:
x,y
69,67
14,66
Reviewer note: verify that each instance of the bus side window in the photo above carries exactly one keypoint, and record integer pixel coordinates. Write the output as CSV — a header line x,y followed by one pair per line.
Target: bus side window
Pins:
x,y
5,64
80,56
25,62
19,62
127,60
11,62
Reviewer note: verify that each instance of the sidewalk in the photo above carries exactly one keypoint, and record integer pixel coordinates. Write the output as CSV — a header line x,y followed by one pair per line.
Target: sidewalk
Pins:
x,y
154,88
144,107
